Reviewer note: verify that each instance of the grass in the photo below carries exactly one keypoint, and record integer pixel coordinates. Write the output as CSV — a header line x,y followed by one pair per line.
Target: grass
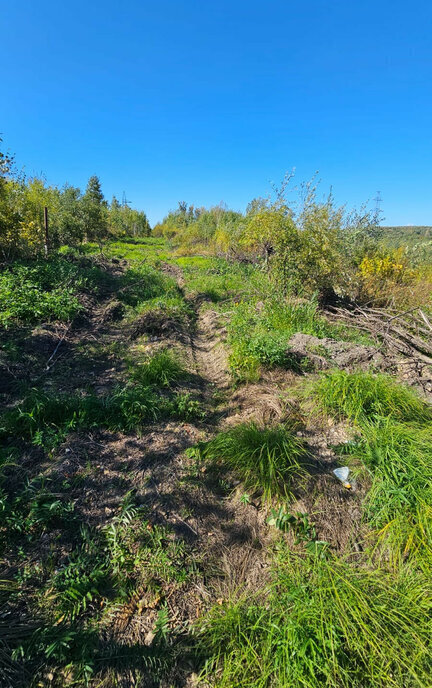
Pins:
x,y
265,459
41,291
323,621
44,290
163,368
259,331
363,621
100,575
398,507
394,449
360,396
97,573
46,419
217,279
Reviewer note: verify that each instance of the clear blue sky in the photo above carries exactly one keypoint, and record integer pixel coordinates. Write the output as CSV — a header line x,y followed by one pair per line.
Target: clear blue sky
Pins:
x,y
211,100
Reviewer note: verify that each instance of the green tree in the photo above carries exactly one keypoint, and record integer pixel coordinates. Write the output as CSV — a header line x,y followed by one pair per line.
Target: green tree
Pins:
x,y
94,212
70,220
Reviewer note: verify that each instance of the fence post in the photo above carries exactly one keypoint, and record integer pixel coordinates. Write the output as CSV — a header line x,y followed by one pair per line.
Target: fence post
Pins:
x,y
46,244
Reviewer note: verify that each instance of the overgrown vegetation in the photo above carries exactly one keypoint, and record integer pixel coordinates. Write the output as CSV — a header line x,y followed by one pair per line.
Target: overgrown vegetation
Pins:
x,y
324,621
394,449
120,479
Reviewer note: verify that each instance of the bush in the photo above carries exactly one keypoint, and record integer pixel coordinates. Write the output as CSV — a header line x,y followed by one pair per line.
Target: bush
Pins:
x,y
40,292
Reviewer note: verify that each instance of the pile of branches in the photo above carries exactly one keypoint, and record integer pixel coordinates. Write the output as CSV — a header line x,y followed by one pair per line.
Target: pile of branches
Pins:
x,y
407,333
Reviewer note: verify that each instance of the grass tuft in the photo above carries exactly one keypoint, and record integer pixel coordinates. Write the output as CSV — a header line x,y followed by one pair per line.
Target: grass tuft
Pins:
x,y
361,396
266,459
163,368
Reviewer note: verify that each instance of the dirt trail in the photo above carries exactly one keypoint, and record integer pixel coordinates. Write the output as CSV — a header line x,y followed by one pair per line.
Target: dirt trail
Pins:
x,y
210,356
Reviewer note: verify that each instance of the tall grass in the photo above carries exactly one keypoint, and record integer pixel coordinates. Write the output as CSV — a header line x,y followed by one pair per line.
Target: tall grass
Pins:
x,y
324,622
266,459
395,449
163,368
398,506
259,332
361,396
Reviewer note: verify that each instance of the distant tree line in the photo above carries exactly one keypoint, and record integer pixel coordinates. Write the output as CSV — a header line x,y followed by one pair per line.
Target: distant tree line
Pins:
x,y
74,217
308,245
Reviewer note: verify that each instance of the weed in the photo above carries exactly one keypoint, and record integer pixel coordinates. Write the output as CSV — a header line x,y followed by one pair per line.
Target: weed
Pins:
x,y
46,419
184,407
299,523
35,510
38,292
142,282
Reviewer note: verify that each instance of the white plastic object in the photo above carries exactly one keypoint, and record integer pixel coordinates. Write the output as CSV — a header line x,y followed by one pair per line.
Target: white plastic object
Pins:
x,y
342,474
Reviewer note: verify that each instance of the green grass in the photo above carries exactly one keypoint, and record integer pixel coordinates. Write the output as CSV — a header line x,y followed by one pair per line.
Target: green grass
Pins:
x,y
259,331
46,419
162,368
40,291
267,460
44,290
218,279
132,249
142,283
398,506
360,396
394,454
323,622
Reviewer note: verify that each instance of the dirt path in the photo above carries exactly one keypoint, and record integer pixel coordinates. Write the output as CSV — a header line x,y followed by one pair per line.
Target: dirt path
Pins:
x,y
209,353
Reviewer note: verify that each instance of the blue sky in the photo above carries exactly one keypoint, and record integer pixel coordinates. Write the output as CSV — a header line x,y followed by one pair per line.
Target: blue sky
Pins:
x,y
212,100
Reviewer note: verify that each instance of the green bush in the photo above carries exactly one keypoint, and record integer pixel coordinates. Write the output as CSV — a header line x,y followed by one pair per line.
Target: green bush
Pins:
x,y
35,293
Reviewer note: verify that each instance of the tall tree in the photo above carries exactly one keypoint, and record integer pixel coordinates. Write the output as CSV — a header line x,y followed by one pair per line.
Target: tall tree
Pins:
x,y
94,211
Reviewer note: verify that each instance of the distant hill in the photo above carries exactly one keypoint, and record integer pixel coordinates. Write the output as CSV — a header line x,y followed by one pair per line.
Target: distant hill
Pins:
x,y
405,235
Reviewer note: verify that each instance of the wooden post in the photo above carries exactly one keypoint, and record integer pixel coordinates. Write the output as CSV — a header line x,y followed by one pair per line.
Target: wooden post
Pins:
x,y
46,246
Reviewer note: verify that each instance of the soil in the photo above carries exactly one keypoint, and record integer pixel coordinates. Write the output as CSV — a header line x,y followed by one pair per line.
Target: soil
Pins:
x,y
229,539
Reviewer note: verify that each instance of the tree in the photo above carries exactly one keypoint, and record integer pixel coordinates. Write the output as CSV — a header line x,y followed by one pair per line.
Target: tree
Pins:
x,y
70,220
94,211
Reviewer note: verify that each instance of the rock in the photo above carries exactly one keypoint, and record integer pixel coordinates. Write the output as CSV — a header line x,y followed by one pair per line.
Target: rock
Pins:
x,y
322,354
